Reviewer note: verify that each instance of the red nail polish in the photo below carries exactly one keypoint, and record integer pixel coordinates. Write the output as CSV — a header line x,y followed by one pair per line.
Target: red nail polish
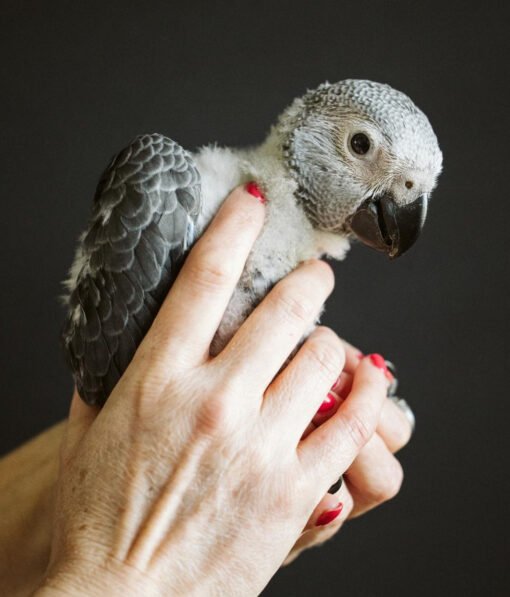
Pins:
x,y
328,404
253,188
329,515
378,361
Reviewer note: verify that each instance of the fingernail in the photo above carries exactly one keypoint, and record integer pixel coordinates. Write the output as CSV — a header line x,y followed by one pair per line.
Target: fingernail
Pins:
x,y
328,403
253,188
329,515
336,486
380,363
406,409
360,355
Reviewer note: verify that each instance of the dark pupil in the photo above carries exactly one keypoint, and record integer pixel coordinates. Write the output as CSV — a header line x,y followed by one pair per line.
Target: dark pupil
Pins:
x,y
360,143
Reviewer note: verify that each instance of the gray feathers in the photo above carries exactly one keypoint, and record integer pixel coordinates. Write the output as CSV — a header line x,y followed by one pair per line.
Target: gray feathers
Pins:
x,y
316,130
144,214
149,208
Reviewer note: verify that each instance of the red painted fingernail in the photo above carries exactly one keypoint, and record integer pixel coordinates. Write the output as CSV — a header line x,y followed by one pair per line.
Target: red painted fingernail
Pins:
x,y
360,355
253,188
328,404
378,361
329,515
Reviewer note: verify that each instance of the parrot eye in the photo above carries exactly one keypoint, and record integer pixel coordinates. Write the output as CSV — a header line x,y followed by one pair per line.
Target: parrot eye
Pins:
x,y
360,143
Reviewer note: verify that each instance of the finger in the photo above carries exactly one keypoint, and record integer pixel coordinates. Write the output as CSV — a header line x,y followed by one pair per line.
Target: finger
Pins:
x,y
298,391
395,423
194,307
272,331
374,477
308,430
81,417
324,513
394,426
315,534
338,393
353,357
329,450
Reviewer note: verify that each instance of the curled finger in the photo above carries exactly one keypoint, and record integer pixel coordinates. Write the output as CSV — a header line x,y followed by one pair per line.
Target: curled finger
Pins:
x,y
331,448
396,424
298,391
325,521
374,477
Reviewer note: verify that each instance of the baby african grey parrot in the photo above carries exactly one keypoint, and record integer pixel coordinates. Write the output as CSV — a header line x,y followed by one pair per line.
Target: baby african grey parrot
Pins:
x,y
354,159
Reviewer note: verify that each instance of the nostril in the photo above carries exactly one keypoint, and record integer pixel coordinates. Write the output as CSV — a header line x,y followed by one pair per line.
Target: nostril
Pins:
x,y
409,184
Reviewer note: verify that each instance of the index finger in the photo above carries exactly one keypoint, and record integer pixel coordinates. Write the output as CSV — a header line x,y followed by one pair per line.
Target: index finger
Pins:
x,y
194,307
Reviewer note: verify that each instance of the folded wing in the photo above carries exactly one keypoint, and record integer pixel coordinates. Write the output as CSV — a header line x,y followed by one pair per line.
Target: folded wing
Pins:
x,y
143,224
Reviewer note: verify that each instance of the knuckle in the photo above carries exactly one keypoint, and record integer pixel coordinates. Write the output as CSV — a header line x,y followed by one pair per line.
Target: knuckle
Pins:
x,y
326,350
391,485
401,436
210,270
294,306
214,418
358,428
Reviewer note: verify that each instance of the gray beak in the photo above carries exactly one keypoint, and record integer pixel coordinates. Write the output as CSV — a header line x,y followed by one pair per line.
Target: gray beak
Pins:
x,y
385,226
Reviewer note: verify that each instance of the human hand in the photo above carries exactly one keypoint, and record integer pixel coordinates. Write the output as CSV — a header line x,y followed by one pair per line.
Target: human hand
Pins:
x,y
374,477
193,478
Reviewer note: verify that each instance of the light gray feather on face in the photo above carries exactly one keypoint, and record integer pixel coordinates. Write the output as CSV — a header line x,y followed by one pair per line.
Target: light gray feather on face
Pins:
x,y
155,199
404,159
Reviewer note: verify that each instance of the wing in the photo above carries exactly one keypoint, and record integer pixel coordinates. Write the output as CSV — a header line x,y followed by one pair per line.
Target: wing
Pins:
x,y
143,224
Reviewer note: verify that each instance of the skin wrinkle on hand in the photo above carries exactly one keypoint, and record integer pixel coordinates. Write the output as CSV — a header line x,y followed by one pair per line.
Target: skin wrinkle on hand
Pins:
x,y
245,448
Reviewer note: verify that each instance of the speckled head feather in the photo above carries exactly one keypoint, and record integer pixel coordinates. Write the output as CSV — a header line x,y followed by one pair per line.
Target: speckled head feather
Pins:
x,y
316,131
155,199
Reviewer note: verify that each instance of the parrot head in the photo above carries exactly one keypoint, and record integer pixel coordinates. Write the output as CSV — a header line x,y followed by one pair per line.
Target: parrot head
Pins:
x,y
365,160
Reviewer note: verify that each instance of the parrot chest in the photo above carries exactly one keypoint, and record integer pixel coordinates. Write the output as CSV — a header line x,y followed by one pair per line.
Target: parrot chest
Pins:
x,y
286,239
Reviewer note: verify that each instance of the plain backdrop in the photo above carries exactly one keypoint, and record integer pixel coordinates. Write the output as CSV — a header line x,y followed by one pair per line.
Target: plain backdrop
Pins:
x,y
79,80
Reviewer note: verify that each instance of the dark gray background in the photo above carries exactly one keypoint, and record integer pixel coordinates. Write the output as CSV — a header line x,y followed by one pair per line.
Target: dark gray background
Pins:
x,y
79,82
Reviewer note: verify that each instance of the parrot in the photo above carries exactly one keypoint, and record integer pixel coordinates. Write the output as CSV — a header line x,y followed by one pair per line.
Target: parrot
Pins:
x,y
354,160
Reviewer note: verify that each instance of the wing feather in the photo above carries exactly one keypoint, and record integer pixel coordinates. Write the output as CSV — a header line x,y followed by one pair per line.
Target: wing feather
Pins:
x,y
143,224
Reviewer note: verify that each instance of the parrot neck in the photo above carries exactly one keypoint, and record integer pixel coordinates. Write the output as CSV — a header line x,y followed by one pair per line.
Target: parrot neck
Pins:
x,y
275,152
288,236
289,225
